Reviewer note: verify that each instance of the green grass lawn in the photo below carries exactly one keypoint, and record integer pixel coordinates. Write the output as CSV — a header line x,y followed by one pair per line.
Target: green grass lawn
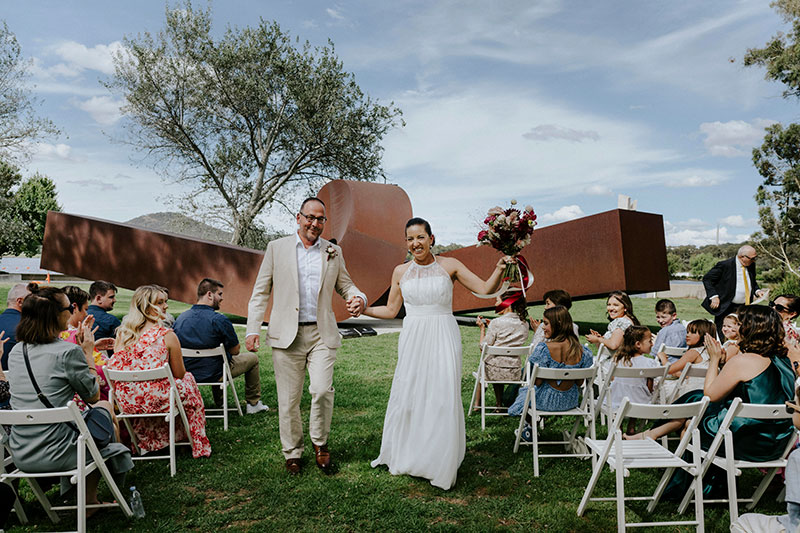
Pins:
x,y
243,485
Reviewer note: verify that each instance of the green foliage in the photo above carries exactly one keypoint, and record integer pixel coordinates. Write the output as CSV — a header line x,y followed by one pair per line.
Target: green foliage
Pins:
x,y
19,124
790,284
247,119
23,210
702,263
781,55
674,263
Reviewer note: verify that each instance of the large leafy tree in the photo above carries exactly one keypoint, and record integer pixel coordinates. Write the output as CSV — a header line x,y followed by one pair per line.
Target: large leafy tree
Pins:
x,y
778,158
23,210
245,119
19,124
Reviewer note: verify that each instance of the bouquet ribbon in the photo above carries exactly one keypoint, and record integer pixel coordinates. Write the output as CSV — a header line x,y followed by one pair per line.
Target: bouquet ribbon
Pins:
x,y
526,279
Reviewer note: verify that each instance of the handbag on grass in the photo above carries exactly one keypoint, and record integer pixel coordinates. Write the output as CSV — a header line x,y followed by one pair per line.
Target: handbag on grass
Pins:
x,y
100,425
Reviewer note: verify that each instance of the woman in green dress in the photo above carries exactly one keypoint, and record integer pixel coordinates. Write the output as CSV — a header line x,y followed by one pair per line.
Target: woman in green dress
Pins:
x,y
761,374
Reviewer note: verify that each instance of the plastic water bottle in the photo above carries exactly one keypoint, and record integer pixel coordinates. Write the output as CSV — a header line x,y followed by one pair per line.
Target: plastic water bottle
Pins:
x,y
136,503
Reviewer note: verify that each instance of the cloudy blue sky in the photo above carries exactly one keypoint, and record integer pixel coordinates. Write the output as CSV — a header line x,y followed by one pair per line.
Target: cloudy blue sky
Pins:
x,y
563,105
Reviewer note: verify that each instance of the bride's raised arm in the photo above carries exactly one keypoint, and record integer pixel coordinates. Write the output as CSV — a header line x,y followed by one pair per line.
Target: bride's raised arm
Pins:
x,y
395,300
470,280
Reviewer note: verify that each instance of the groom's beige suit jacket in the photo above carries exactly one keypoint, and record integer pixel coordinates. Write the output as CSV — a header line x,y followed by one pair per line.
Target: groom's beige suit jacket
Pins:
x,y
278,277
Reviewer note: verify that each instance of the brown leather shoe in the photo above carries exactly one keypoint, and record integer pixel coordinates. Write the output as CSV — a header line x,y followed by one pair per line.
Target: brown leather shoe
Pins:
x,y
293,466
323,457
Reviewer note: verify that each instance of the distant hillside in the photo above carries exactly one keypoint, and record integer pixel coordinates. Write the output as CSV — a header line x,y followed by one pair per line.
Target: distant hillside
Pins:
x,y
181,224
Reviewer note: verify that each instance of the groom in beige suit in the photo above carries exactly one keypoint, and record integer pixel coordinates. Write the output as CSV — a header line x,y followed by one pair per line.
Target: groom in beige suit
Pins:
x,y
301,272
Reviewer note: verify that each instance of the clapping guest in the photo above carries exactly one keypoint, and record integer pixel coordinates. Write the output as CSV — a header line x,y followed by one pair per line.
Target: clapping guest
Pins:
x,y
61,370
144,343
508,329
619,309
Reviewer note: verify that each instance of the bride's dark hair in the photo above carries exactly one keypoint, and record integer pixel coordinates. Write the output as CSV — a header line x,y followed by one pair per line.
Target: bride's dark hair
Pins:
x,y
416,221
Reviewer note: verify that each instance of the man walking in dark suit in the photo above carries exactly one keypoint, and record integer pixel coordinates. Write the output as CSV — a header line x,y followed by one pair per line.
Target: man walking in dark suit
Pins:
x,y
731,283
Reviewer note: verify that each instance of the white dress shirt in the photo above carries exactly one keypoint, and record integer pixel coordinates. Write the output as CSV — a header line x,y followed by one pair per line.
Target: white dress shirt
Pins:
x,y
309,271
740,294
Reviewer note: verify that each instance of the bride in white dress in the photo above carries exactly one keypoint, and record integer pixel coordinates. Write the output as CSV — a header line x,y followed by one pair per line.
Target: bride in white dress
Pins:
x,y
423,431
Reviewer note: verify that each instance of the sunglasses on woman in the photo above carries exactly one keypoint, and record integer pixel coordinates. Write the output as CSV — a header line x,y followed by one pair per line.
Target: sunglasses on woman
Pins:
x,y
779,308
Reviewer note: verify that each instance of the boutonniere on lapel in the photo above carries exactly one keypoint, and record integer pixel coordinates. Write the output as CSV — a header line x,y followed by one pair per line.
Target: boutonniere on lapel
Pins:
x,y
331,251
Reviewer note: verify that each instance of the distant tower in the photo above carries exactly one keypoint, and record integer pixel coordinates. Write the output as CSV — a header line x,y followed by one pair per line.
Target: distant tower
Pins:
x,y
624,202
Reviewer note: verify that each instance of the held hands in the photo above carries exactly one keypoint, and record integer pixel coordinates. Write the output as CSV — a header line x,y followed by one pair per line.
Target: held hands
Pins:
x,y
594,337
480,322
85,335
252,343
534,323
713,303
505,260
355,306
3,339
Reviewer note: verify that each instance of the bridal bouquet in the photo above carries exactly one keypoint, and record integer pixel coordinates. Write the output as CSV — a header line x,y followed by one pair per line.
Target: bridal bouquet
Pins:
x,y
509,231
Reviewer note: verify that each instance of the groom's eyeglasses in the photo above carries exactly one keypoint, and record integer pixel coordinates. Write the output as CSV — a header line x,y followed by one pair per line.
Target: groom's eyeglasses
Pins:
x,y
312,218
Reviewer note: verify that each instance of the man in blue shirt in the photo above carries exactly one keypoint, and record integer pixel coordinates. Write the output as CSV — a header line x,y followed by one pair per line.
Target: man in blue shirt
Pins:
x,y
672,332
103,296
10,318
201,327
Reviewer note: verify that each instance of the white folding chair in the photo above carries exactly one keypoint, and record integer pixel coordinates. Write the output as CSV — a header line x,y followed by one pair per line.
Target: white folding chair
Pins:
x,y
584,413
523,352
732,466
603,404
623,456
6,463
681,383
674,351
174,409
603,360
77,475
225,382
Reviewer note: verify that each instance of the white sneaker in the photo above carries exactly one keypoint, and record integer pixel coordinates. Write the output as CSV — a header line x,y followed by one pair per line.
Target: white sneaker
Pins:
x,y
257,408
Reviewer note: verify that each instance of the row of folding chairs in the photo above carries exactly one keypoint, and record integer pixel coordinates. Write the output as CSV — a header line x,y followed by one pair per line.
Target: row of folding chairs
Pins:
x,y
173,414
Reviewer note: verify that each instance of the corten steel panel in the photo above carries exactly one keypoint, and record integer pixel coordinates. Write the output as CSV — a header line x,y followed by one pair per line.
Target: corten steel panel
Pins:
x,y
590,256
129,257
367,219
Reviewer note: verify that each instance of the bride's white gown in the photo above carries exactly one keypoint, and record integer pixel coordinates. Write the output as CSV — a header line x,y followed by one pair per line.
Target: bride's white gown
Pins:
x,y
423,432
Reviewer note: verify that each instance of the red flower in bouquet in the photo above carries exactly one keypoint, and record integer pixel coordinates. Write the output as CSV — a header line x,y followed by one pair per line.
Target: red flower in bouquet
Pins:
x,y
508,231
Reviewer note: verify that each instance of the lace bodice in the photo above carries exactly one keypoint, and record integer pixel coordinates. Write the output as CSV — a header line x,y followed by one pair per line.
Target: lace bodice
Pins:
x,y
427,290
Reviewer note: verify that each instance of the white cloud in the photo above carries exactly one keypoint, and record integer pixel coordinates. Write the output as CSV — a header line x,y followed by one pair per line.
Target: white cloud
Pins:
x,y
547,132
95,185
695,180
733,138
598,190
563,214
53,151
334,14
737,221
699,232
79,57
103,109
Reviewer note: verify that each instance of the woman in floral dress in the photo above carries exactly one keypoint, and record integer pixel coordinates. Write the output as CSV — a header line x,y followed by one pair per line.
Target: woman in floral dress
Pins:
x,y
144,343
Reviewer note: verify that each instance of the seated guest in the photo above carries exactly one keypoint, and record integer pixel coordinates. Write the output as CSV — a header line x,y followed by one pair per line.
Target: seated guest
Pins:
x,y
788,307
761,374
10,318
61,370
562,350
619,309
551,299
5,390
169,318
696,332
144,343
730,330
508,329
672,332
103,296
201,327
79,300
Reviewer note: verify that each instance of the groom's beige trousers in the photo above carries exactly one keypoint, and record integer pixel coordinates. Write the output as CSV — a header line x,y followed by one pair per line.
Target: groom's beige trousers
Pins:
x,y
290,364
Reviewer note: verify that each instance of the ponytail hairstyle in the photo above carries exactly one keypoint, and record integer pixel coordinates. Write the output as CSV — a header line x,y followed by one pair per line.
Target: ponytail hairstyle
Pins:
x,y
561,329
39,322
701,326
143,309
627,349
626,302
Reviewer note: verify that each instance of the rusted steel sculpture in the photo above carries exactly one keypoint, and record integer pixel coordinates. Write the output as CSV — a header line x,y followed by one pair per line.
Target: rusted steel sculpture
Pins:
x,y
587,257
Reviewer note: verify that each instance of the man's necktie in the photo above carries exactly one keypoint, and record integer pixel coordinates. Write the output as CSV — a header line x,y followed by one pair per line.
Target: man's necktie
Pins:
x,y
746,287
